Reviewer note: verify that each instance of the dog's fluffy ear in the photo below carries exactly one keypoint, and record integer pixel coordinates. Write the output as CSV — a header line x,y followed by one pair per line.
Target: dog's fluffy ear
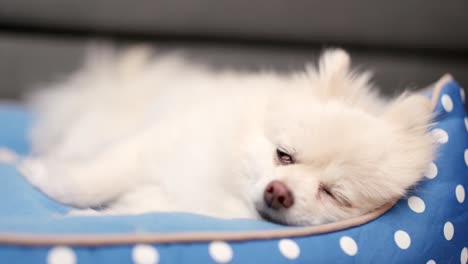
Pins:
x,y
336,78
334,63
410,112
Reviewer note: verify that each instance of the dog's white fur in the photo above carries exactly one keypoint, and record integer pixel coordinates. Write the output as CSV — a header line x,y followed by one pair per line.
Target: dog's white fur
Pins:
x,y
134,134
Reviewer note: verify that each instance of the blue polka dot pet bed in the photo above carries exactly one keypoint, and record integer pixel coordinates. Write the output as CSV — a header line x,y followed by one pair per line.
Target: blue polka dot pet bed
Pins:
x,y
430,225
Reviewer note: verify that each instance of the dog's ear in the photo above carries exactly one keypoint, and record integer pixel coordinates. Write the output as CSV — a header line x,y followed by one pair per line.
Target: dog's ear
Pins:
x,y
410,112
334,63
336,79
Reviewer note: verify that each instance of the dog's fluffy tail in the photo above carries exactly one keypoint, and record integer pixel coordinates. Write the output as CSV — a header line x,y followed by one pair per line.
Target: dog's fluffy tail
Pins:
x,y
106,76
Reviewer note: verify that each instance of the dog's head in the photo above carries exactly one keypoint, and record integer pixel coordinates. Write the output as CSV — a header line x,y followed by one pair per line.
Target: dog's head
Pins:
x,y
336,151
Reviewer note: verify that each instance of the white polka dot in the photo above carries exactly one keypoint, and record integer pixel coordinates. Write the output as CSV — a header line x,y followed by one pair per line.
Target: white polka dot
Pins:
x,y
466,123
447,103
440,135
348,245
61,255
431,171
289,248
416,204
462,94
220,252
464,256
448,231
145,254
402,239
466,157
460,193
431,261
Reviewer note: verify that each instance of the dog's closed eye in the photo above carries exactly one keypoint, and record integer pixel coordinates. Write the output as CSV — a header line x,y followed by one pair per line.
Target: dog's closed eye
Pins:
x,y
283,157
333,196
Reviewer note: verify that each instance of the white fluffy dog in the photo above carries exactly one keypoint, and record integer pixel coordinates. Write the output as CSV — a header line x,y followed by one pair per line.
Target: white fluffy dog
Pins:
x,y
131,133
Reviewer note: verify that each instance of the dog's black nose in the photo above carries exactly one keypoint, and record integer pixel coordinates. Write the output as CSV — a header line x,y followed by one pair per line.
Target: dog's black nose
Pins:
x,y
277,195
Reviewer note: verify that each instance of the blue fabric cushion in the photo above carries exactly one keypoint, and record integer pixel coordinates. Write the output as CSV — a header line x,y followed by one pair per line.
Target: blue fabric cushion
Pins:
x,y
431,223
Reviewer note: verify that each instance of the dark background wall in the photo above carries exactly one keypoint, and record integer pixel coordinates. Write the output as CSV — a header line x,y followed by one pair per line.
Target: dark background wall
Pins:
x,y
407,44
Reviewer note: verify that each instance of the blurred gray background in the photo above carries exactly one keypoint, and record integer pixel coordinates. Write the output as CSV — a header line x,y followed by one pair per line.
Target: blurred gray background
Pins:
x,y
408,44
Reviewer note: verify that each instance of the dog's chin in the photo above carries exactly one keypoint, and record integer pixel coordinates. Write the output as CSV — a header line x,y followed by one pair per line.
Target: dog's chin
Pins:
x,y
270,218
271,215
283,217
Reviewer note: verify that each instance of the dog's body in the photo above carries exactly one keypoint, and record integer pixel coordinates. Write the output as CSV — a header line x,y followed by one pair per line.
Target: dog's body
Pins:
x,y
137,135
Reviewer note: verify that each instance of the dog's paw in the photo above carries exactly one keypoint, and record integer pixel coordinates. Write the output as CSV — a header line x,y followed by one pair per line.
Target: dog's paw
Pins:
x,y
33,170
8,156
84,212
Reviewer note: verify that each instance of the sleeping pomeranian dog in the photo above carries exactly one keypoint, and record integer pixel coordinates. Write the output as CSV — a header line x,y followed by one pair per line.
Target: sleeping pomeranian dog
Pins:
x,y
131,133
